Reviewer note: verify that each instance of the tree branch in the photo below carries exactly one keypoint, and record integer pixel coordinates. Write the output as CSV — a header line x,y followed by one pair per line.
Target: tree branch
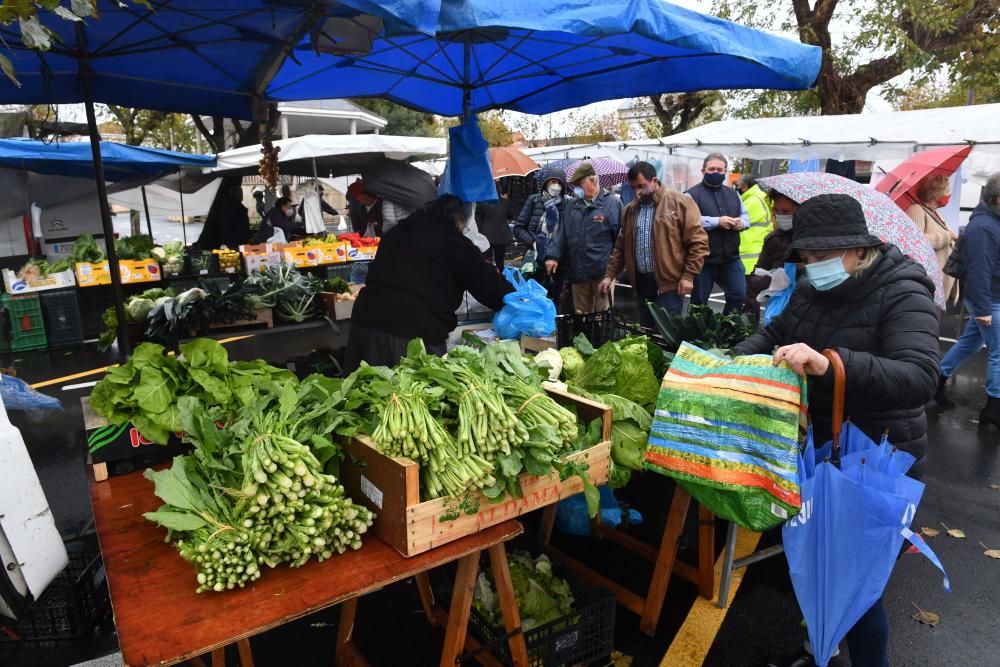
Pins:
x,y
203,129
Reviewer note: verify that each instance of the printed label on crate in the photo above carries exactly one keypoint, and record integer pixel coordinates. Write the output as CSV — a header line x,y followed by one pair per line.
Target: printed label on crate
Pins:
x,y
15,285
371,492
114,442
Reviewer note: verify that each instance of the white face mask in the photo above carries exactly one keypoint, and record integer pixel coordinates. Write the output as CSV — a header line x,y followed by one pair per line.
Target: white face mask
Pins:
x,y
784,222
554,190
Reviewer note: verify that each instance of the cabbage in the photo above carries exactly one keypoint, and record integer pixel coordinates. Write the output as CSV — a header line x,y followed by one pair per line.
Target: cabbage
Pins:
x,y
138,309
572,363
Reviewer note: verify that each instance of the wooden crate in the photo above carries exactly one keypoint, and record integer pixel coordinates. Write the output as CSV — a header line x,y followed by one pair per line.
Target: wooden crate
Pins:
x,y
391,488
265,318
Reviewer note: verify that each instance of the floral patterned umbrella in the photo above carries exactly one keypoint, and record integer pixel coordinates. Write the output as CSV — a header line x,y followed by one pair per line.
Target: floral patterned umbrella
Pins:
x,y
885,219
610,171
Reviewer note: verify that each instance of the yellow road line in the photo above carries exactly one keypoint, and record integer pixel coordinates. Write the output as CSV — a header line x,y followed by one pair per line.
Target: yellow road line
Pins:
x,y
696,636
96,371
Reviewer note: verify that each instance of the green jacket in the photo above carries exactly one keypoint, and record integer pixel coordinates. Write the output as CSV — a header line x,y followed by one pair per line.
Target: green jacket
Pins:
x,y
752,240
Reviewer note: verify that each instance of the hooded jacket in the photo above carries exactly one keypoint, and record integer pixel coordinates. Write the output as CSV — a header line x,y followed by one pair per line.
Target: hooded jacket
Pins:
x,y
586,237
884,325
529,222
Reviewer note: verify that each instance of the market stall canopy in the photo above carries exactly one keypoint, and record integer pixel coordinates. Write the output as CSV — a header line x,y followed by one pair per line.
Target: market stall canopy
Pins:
x,y
74,159
331,155
518,55
191,56
891,135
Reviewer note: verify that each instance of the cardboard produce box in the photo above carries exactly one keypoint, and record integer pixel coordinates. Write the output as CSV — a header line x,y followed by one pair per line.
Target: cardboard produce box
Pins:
x,y
15,285
89,274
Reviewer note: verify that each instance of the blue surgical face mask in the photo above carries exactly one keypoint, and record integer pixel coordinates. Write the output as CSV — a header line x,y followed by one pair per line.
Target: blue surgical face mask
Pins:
x,y
826,275
714,179
578,191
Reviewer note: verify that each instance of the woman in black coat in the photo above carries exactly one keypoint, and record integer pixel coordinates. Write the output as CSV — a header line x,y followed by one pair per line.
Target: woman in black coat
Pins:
x,y
875,307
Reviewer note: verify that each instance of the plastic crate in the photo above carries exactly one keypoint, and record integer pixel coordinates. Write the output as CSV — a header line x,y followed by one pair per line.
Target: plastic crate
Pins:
x,y
63,324
334,271
26,323
5,332
584,635
72,605
599,328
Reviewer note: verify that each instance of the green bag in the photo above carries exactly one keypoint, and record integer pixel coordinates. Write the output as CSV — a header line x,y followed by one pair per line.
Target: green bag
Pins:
x,y
729,431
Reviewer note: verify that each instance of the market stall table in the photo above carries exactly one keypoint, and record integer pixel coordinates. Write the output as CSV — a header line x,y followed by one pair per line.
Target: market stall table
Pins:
x,y
162,621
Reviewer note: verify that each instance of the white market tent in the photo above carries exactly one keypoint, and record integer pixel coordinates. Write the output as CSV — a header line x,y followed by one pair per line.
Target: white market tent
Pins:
x,y
331,155
878,136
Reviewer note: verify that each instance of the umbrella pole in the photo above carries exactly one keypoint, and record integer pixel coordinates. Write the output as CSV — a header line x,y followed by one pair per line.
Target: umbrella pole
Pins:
x,y
86,79
466,87
145,206
180,188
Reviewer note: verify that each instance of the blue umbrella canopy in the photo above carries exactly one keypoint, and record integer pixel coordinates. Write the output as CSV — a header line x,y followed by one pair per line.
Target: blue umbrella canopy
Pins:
x,y
533,58
75,159
193,56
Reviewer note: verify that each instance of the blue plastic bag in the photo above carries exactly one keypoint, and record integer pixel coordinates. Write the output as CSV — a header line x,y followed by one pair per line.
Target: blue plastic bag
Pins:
x,y
572,517
777,303
527,310
18,395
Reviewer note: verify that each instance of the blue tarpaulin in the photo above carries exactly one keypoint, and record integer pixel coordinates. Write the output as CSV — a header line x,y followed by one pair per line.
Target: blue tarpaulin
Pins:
x,y
121,162
538,58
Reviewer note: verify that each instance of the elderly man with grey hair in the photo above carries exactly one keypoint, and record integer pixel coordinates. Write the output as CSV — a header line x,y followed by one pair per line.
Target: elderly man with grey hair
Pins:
x,y
724,218
981,253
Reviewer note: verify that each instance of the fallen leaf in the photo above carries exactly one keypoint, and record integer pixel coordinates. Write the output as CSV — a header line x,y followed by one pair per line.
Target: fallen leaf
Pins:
x,y
619,659
954,532
992,553
995,487
929,532
925,617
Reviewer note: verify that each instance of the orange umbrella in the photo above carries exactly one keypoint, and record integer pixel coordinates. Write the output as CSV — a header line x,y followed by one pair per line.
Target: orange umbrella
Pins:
x,y
902,183
509,161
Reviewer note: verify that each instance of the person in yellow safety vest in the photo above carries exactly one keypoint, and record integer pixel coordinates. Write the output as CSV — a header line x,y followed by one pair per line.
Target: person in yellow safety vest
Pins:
x,y
758,206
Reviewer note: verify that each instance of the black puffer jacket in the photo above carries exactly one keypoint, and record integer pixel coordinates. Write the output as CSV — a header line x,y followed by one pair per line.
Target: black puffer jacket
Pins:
x,y
885,327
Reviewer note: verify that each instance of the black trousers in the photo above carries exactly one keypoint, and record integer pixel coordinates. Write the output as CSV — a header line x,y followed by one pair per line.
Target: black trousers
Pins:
x,y
378,348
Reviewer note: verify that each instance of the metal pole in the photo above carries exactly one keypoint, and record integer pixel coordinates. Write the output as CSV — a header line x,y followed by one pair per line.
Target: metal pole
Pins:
x,y
180,188
145,205
466,86
86,80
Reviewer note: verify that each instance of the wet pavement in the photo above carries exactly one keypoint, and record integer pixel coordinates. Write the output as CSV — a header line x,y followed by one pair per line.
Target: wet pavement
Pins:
x,y
762,624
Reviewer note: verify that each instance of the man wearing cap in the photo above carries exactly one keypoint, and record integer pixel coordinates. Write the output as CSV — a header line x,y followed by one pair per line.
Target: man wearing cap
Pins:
x,y
875,307
584,241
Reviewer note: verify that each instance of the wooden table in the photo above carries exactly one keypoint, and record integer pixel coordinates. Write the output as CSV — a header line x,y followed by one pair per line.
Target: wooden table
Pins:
x,y
162,621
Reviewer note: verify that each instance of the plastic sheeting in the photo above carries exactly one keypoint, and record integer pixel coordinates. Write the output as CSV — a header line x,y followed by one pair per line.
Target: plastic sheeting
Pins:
x,y
332,155
165,201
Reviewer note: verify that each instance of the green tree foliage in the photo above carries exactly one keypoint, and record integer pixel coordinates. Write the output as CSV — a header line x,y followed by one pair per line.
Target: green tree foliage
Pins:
x,y
867,43
34,35
680,112
402,120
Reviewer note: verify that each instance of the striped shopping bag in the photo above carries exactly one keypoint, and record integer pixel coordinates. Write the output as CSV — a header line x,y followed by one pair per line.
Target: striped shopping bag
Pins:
x,y
728,430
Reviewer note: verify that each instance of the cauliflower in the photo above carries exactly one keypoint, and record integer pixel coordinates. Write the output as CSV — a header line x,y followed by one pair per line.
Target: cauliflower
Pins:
x,y
551,360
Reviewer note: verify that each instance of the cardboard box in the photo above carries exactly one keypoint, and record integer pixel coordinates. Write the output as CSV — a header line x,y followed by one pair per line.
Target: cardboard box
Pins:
x,y
300,257
332,253
362,254
339,310
391,488
89,274
260,261
15,285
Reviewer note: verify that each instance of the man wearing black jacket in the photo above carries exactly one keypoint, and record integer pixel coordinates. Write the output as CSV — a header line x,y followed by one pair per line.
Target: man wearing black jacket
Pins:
x,y
415,284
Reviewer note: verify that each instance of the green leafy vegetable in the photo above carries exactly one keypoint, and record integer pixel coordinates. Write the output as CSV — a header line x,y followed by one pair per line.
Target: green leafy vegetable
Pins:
x,y
541,596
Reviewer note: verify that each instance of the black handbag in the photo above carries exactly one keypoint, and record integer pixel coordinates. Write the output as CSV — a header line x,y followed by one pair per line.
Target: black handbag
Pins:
x,y
955,266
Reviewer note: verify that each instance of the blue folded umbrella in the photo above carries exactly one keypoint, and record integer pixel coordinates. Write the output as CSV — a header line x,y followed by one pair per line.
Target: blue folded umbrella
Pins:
x,y
843,545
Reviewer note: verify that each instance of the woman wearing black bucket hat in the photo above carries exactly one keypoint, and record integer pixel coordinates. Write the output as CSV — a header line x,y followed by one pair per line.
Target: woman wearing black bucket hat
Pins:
x,y
875,307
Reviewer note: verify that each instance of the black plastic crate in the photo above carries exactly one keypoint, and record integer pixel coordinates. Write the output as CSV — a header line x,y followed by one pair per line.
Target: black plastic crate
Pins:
x,y
580,637
63,323
72,606
599,328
